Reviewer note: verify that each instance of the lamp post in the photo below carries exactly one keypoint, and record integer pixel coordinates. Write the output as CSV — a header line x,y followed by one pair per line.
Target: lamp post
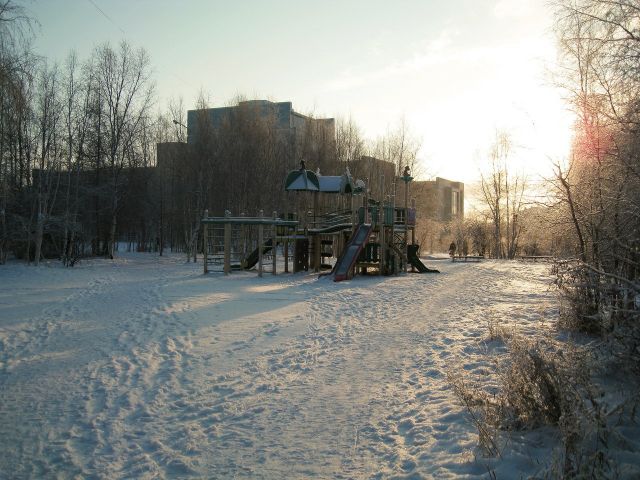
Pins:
x,y
177,123
406,178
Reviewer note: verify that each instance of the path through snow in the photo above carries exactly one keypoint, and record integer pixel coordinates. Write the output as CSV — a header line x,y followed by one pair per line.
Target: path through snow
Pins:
x,y
144,368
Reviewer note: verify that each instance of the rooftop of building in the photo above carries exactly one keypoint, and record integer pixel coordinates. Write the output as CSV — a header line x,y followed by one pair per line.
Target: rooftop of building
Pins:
x,y
282,112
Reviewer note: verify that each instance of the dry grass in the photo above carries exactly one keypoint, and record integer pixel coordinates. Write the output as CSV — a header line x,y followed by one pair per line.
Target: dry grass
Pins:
x,y
498,331
478,405
539,384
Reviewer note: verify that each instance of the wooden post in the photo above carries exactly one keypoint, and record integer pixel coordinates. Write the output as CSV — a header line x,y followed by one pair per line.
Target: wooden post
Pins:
x,y
413,230
286,254
315,207
227,245
274,243
205,233
243,231
260,242
354,217
365,202
383,247
317,257
315,245
406,222
392,230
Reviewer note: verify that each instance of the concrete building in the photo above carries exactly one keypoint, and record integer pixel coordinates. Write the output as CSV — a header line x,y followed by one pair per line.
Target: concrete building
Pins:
x,y
290,124
441,199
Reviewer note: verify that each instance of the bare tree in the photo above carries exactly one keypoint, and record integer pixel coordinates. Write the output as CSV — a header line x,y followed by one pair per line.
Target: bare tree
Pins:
x,y
350,144
48,179
196,176
74,112
503,193
123,78
599,187
16,73
400,147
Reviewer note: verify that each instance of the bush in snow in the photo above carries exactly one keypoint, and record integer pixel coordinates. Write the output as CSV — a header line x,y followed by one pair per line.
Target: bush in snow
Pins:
x,y
539,385
601,304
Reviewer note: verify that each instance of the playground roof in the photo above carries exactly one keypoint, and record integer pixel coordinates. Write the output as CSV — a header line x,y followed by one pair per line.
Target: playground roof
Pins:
x,y
302,180
330,184
307,181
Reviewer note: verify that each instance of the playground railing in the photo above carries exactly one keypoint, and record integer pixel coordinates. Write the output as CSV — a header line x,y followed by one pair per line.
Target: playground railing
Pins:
x,y
332,219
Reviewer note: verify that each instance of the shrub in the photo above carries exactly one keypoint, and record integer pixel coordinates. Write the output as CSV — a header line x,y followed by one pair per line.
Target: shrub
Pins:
x,y
540,384
601,304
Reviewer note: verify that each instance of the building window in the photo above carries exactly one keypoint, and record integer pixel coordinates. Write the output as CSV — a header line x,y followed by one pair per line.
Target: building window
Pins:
x,y
455,200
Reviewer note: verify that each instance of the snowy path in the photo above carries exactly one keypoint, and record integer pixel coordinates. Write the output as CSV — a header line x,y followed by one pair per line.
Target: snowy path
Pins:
x,y
144,368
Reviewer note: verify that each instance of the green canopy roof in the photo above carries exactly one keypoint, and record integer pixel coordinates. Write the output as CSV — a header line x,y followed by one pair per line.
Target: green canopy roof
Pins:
x,y
307,181
302,180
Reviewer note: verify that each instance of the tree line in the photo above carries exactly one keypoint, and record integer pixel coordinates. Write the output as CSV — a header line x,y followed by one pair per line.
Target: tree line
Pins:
x,y
597,189
78,142
68,134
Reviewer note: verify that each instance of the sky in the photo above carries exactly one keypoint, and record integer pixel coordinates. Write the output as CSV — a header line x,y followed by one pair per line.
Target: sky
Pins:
x,y
455,70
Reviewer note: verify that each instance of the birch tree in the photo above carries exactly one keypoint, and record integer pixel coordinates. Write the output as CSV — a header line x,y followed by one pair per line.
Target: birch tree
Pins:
x,y
503,188
17,66
124,81
598,186
48,179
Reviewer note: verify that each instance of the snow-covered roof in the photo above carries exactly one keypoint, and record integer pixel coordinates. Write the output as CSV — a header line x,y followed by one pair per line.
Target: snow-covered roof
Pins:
x,y
302,180
306,180
330,184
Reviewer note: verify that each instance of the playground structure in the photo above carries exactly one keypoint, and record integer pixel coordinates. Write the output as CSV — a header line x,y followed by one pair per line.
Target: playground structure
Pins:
x,y
369,236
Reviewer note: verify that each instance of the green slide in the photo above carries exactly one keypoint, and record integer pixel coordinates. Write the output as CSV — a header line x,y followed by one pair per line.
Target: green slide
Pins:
x,y
414,260
252,259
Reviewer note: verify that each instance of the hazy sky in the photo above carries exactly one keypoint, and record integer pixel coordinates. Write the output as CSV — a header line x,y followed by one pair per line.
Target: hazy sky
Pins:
x,y
456,70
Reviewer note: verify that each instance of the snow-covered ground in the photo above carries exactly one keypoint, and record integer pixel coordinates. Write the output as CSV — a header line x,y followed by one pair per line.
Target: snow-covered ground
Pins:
x,y
142,367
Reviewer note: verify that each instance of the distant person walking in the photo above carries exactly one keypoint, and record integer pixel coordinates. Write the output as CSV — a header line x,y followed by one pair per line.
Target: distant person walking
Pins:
x,y
452,249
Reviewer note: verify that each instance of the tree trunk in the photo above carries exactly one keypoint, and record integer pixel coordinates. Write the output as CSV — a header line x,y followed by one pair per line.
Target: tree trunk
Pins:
x,y
38,239
112,235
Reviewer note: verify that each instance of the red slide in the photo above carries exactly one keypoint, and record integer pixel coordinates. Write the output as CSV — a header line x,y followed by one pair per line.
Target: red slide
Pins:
x,y
351,252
